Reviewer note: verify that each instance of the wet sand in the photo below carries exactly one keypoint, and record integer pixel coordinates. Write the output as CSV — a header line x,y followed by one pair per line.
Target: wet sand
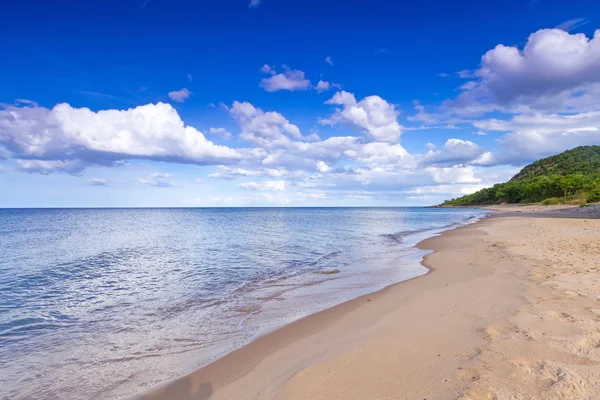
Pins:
x,y
510,310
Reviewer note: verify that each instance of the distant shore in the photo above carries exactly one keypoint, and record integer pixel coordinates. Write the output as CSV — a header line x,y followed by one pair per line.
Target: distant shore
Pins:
x,y
508,309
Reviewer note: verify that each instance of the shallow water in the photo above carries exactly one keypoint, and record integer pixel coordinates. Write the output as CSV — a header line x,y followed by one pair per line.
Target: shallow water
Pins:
x,y
105,303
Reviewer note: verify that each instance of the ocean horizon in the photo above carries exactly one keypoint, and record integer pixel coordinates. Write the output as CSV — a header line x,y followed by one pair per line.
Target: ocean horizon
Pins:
x,y
109,302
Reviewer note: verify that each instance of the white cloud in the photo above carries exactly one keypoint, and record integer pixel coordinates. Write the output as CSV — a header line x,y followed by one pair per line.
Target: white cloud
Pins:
x,y
322,166
322,86
48,166
180,95
224,172
98,182
553,68
374,116
533,136
544,96
466,74
455,174
381,153
157,179
254,3
220,131
456,152
328,60
342,98
270,186
267,69
266,129
288,80
190,77
70,139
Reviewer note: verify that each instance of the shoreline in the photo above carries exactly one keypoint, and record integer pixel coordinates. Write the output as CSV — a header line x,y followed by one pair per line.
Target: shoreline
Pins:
x,y
173,389
282,363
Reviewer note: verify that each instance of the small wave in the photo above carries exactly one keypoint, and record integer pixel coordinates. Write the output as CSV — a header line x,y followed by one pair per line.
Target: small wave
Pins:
x,y
331,255
396,237
328,272
255,309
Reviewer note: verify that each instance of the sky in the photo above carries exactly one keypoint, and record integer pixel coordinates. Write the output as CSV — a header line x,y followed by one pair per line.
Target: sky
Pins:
x,y
218,103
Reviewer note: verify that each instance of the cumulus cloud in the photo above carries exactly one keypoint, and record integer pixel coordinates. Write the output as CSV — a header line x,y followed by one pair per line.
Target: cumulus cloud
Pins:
x,y
48,166
328,60
322,86
220,131
157,179
69,139
544,97
267,69
180,95
266,129
322,166
374,116
270,186
456,151
553,67
288,80
224,172
454,174
533,136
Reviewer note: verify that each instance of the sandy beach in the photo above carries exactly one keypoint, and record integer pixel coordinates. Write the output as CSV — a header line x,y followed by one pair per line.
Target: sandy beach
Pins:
x,y
509,311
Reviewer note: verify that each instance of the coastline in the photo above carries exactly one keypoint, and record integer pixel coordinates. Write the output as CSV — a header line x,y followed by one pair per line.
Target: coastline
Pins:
x,y
406,340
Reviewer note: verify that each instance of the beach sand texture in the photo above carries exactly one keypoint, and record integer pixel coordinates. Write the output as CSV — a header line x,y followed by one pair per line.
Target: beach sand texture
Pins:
x,y
511,310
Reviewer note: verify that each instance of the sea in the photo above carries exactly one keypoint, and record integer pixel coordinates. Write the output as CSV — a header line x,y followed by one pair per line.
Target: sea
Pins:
x,y
108,303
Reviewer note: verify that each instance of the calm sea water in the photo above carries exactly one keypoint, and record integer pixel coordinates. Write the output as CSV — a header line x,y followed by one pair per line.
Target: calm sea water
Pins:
x,y
105,303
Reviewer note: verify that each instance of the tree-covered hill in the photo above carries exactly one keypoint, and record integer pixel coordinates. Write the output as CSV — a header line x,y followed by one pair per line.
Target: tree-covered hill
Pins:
x,y
572,176
584,160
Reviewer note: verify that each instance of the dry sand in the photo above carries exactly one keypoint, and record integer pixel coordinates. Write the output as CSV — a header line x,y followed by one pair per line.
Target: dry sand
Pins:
x,y
510,311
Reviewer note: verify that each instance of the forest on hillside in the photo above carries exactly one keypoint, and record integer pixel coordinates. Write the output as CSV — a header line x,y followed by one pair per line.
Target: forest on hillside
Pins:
x,y
570,177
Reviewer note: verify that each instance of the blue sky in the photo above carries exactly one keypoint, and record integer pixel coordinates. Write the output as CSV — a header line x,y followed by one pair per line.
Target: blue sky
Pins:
x,y
294,103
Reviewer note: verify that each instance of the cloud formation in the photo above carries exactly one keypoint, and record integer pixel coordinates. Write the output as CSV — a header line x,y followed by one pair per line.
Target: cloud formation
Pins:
x,y
157,179
69,139
373,116
457,152
270,186
220,131
265,129
180,95
291,80
553,67
98,182
533,136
